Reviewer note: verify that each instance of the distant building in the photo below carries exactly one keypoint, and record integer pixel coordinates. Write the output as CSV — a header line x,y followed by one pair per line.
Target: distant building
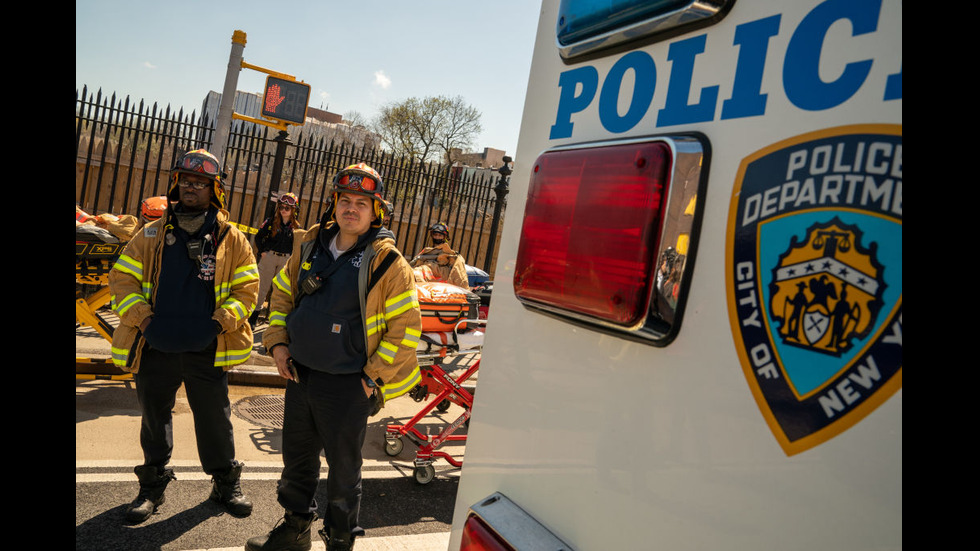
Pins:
x,y
490,158
319,123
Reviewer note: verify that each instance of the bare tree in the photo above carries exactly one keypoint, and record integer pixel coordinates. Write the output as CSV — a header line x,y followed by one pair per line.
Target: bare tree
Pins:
x,y
424,128
355,119
460,126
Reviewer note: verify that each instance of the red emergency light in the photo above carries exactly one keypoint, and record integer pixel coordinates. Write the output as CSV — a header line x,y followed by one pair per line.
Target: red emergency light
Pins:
x,y
477,536
601,223
498,524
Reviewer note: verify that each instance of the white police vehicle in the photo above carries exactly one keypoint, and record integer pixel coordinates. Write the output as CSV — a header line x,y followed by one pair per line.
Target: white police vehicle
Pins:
x,y
697,326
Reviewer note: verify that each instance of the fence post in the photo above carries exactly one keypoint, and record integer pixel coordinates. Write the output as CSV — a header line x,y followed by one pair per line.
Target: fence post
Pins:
x,y
501,190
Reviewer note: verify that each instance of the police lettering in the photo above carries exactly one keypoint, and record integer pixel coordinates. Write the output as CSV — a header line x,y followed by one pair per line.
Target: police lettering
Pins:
x,y
848,390
802,83
860,380
745,275
866,175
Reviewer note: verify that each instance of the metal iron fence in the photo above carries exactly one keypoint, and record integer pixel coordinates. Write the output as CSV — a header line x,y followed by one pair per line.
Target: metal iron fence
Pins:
x,y
124,152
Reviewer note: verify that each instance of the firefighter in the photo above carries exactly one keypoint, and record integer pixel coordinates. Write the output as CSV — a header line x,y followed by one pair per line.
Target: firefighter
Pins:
x,y
273,243
343,330
439,262
183,289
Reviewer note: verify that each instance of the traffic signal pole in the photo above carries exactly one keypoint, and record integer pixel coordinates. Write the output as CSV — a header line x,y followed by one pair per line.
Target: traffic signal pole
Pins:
x,y
289,102
226,108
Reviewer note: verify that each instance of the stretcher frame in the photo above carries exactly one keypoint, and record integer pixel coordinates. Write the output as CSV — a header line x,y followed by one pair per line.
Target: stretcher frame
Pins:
x,y
93,261
446,389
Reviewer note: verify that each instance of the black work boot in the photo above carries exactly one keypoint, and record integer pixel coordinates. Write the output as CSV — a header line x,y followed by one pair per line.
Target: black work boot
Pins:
x,y
153,481
337,541
226,489
292,533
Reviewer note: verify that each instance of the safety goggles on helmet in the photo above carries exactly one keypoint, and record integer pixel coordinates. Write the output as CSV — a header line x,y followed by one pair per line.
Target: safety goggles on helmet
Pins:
x,y
359,178
357,182
439,227
200,161
288,199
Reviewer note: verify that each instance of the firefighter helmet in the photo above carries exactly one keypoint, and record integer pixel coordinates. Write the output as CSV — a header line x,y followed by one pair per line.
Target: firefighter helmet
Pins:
x,y
201,163
153,208
362,180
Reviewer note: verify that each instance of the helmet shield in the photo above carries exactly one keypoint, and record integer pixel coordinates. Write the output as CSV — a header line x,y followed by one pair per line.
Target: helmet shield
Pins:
x,y
201,163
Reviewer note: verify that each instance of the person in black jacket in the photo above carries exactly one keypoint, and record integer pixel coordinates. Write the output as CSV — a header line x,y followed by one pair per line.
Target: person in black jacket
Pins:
x,y
273,244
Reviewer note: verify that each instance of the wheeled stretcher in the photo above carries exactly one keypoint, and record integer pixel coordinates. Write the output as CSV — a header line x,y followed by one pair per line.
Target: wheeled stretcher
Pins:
x,y
96,250
441,390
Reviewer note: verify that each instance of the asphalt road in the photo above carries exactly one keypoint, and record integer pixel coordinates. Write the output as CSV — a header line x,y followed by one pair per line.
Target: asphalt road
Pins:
x,y
397,511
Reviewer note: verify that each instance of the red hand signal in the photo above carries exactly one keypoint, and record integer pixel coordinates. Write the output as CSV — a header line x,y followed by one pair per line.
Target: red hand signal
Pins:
x,y
273,99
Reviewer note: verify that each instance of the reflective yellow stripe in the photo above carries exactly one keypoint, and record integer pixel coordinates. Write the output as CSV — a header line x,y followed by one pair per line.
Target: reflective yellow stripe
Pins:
x,y
375,324
127,265
400,304
282,281
128,303
411,339
387,351
232,357
277,318
396,389
119,356
245,273
236,307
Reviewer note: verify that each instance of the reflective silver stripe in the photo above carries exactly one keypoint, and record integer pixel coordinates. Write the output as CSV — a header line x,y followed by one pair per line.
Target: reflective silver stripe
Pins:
x,y
282,281
396,389
128,265
277,318
245,273
236,307
411,339
400,304
232,357
128,303
119,356
387,351
375,324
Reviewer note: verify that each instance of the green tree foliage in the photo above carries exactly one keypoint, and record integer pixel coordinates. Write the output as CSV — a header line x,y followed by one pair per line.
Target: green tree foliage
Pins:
x,y
428,129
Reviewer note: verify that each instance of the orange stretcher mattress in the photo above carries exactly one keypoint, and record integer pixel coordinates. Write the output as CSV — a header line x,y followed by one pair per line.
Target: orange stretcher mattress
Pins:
x,y
444,305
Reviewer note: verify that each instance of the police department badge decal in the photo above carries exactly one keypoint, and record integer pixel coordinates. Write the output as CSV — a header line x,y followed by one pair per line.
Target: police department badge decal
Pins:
x,y
814,279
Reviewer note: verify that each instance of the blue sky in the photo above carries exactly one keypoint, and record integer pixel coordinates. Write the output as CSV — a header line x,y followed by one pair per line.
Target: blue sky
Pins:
x,y
356,55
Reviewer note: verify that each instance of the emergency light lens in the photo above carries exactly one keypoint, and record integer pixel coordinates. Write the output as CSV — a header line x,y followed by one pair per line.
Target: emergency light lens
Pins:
x,y
580,19
591,230
477,536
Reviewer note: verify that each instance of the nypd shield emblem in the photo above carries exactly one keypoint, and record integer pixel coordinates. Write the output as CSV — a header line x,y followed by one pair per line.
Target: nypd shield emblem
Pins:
x,y
814,279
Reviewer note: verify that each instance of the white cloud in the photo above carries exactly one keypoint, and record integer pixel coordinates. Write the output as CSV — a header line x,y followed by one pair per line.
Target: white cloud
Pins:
x,y
381,79
149,65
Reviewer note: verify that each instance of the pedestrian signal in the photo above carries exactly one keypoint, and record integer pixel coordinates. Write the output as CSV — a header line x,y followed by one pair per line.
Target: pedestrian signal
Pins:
x,y
285,100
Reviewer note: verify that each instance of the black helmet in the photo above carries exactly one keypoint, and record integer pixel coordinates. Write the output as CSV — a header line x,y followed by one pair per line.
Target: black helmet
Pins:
x,y
201,163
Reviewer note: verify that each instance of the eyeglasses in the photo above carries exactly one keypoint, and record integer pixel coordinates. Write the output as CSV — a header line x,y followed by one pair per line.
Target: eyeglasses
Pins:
x,y
357,182
196,185
285,207
199,163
